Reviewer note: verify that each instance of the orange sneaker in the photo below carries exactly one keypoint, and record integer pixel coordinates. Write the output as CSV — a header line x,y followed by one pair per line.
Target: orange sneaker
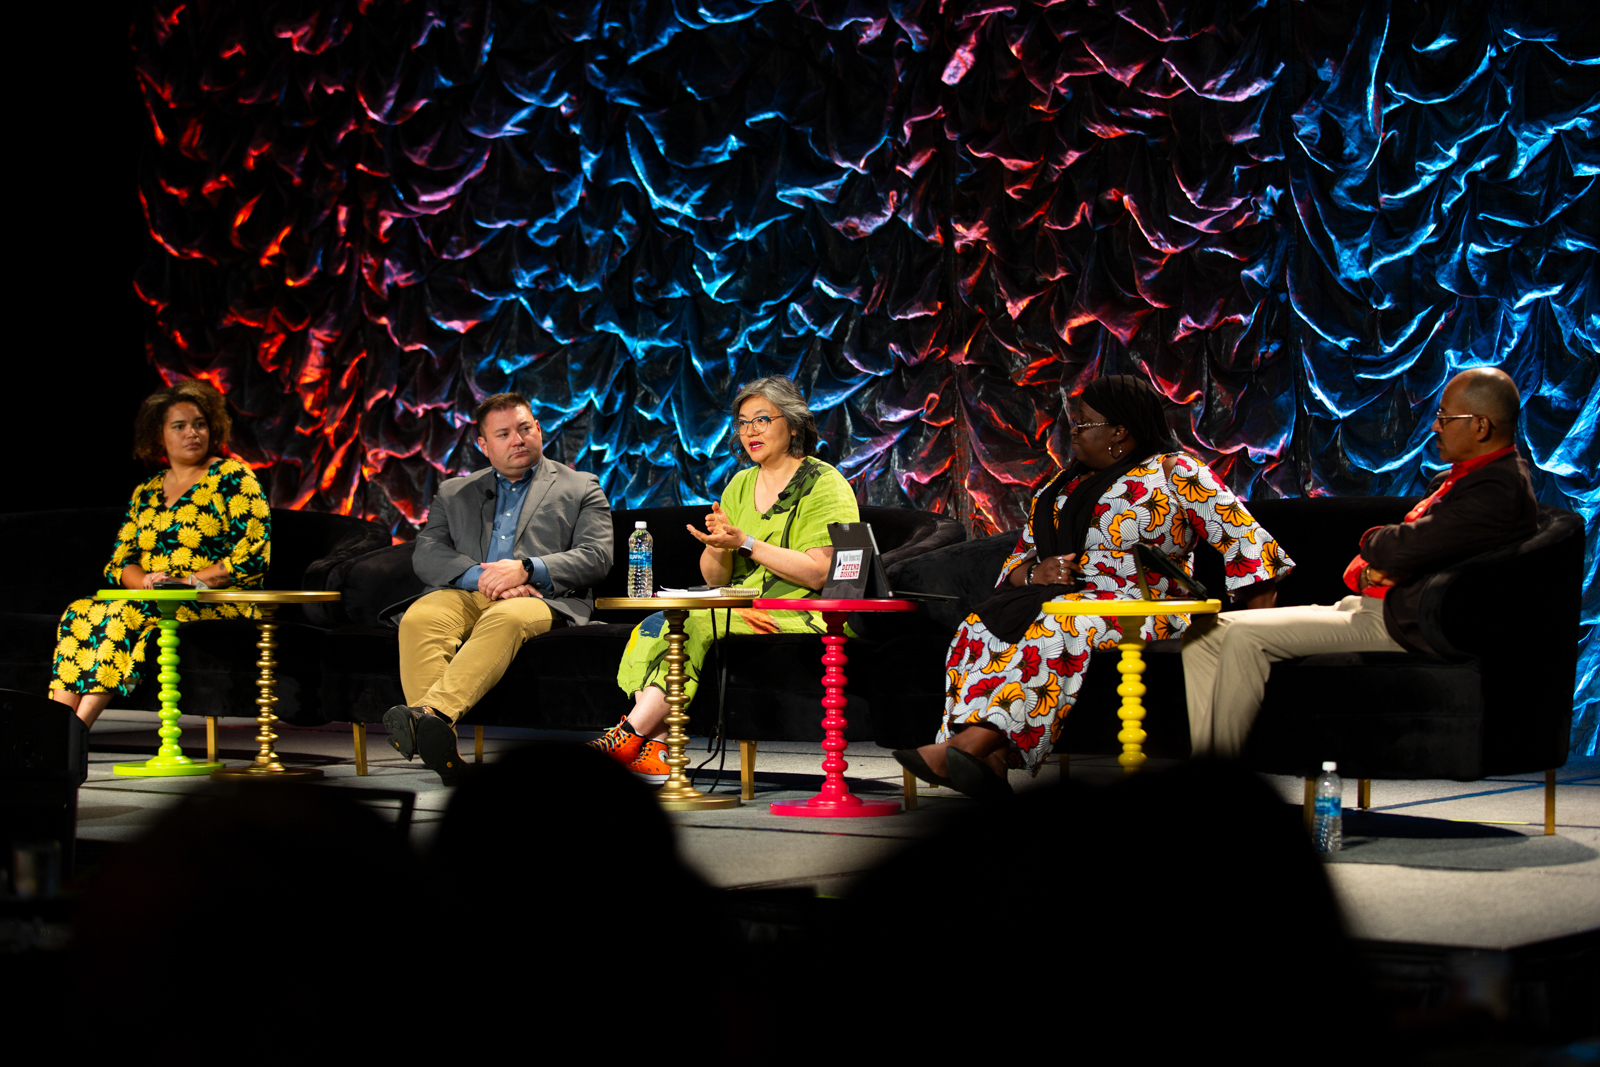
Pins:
x,y
620,743
650,764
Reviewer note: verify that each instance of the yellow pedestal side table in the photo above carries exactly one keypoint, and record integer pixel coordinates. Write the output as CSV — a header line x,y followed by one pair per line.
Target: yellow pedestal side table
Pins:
x,y
266,766
169,761
676,793
1131,614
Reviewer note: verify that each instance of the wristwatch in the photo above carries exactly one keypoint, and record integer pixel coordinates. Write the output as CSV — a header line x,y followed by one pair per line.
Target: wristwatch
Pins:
x,y
748,546
527,565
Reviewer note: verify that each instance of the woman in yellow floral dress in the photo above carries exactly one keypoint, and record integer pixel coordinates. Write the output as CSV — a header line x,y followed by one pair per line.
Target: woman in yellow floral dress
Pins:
x,y
203,522
1014,671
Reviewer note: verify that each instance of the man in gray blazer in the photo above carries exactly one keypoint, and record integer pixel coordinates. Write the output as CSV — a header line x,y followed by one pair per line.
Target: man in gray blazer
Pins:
x,y
507,553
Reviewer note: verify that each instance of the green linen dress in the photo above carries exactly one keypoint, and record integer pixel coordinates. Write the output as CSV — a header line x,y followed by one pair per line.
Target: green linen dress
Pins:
x,y
816,495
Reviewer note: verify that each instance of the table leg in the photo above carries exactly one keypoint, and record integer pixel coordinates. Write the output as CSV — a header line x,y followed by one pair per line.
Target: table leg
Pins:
x,y
677,793
835,799
1131,667
266,764
169,761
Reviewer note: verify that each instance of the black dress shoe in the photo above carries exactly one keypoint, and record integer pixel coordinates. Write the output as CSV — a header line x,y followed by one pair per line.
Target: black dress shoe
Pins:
x,y
972,776
401,722
908,758
436,744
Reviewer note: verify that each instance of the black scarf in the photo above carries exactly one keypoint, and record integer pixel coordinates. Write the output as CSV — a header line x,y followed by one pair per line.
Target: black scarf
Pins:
x,y
1010,612
1127,401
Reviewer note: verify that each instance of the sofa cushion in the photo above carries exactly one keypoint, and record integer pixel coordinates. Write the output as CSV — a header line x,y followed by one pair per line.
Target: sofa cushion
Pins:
x,y
562,680
1378,714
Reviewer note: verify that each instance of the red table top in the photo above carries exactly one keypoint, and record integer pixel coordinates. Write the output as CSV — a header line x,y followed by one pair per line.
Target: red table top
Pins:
x,y
814,604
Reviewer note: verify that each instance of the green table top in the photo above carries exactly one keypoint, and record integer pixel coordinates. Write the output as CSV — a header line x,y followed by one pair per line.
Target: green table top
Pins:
x,y
147,594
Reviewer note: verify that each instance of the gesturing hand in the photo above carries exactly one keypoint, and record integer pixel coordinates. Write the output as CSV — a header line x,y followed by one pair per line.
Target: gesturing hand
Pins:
x,y
720,533
1057,570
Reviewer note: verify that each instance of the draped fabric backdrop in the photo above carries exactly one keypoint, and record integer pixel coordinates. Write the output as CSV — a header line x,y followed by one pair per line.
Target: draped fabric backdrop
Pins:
x,y
941,217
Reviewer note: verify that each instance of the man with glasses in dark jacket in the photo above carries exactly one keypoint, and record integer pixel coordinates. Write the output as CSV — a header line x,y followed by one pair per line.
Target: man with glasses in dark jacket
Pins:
x,y
1485,500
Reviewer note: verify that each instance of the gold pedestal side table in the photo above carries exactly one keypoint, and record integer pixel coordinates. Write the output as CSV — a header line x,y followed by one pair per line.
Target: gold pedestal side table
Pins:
x,y
1131,614
169,761
266,766
676,793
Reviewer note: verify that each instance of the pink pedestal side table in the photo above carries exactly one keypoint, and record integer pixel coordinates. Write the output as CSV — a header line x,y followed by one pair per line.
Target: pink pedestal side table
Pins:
x,y
835,800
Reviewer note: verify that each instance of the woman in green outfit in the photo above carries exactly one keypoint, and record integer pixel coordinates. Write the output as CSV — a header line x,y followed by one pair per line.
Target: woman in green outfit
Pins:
x,y
769,531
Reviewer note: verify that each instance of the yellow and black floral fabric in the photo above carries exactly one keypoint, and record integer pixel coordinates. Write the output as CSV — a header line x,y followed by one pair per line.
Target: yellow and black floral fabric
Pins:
x,y
222,519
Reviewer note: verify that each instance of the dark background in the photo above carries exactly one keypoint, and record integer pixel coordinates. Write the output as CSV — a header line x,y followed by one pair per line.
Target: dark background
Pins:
x,y
77,223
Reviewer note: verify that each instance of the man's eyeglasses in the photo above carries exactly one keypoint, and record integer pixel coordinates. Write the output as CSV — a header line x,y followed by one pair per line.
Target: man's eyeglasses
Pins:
x,y
1440,416
1075,427
759,424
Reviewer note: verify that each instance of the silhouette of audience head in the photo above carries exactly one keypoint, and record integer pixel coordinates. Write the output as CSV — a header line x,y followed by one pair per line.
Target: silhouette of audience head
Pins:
x,y
260,889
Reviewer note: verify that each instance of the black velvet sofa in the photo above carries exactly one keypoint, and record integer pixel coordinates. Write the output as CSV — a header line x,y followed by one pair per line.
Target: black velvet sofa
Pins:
x,y
61,554
566,679
1474,710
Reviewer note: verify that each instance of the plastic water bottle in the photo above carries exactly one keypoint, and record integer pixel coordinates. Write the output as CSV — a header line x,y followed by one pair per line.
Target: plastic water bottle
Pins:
x,y
641,550
1327,820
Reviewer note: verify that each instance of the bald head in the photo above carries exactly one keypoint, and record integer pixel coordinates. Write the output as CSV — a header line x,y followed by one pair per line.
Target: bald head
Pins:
x,y
1490,391
1477,414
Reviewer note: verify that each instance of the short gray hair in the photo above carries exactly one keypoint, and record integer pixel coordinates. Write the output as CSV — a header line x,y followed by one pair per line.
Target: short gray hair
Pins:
x,y
784,395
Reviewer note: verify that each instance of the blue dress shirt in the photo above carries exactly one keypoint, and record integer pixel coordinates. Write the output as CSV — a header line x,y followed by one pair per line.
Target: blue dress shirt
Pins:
x,y
508,500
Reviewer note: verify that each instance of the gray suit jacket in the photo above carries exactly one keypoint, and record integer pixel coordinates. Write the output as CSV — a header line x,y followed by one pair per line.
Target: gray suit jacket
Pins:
x,y
565,521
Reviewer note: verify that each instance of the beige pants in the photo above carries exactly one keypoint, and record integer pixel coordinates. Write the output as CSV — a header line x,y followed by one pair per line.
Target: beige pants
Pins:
x,y
455,645
1226,660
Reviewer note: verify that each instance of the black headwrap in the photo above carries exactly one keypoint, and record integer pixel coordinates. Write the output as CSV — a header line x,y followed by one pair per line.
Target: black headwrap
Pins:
x,y
1123,400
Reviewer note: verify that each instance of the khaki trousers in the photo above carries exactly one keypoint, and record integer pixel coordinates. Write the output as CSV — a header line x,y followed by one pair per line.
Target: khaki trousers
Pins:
x,y
455,645
1226,660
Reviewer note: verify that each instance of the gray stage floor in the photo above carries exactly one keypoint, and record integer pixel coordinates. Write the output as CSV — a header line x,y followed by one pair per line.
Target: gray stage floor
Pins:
x,y
747,847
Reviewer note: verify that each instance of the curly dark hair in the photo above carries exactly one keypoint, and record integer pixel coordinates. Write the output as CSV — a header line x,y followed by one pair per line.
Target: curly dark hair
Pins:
x,y
148,440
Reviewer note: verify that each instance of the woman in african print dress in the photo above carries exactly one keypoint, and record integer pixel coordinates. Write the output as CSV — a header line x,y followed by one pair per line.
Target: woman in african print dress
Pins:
x,y
203,522
770,532
1014,671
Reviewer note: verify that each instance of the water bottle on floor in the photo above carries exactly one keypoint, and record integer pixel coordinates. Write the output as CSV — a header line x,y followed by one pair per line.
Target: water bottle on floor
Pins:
x,y
1327,821
641,549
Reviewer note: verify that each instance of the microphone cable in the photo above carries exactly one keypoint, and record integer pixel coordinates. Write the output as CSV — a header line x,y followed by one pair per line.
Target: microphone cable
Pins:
x,y
717,743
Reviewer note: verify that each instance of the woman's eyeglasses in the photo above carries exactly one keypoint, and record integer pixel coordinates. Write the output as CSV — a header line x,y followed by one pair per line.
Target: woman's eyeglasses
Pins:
x,y
1075,427
759,424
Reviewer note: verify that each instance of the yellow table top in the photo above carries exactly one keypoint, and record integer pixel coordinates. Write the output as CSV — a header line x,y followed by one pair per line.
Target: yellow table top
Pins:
x,y
1131,607
664,603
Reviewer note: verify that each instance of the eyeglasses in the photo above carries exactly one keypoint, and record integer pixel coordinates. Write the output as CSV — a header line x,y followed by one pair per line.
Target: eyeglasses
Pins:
x,y
1076,427
1440,416
759,424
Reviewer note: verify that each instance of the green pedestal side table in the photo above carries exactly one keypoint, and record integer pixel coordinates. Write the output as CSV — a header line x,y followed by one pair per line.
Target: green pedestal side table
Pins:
x,y
169,761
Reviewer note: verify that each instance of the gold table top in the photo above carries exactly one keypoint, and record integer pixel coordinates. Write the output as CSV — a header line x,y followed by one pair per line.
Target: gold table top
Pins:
x,y
265,596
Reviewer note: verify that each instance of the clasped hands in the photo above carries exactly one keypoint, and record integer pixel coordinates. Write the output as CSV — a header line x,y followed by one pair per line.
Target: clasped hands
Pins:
x,y
1371,576
720,533
1056,570
505,579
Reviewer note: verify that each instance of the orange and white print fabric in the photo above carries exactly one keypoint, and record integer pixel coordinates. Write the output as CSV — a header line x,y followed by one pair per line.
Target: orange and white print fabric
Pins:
x,y
1026,689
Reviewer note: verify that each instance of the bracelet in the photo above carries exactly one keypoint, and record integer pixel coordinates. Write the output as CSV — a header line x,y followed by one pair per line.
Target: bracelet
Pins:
x,y
1028,579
